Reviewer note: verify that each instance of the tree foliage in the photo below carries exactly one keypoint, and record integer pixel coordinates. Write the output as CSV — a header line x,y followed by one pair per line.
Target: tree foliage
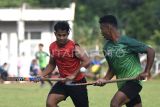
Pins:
x,y
137,18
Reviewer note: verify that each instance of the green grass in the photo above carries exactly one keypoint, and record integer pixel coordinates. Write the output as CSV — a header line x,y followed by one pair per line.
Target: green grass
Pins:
x,y
31,95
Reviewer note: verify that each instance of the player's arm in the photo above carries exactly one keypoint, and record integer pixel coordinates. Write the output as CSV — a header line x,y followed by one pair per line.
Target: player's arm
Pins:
x,y
108,75
49,68
139,47
150,60
85,61
82,55
102,81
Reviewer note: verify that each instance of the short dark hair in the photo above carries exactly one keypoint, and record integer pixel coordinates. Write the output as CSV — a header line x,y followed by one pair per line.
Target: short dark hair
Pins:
x,y
41,44
110,19
62,25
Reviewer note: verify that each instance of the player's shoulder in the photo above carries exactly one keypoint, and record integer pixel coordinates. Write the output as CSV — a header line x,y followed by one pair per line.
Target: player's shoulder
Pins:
x,y
125,39
37,53
74,43
71,41
53,44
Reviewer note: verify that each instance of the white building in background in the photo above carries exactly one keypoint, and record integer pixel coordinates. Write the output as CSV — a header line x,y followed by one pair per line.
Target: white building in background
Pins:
x,y
22,29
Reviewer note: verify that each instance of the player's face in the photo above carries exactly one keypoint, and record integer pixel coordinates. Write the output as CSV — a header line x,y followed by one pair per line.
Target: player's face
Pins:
x,y
106,30
41,48
61,36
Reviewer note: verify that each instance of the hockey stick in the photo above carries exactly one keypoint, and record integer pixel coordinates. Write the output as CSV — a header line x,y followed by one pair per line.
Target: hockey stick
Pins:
x,y
108,81
32,79
4,77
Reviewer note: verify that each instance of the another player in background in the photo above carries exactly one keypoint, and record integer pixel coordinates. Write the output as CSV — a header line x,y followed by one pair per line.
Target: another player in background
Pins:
x,y
41,56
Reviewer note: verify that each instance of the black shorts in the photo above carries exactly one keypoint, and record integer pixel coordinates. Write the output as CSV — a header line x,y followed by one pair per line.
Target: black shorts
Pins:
x,y
132,90
78,94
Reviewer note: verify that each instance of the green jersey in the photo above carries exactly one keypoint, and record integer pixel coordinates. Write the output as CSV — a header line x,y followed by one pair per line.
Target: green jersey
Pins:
x,y
123,57
42,59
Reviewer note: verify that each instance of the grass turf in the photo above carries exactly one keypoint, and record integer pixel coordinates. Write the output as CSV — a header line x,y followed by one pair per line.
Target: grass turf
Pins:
x,y
31,95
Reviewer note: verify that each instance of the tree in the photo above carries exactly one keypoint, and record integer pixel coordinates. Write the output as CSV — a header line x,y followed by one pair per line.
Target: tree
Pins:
x,y
138,18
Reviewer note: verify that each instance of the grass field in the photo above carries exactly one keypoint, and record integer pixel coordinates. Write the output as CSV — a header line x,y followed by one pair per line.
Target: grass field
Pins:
x,y
31,95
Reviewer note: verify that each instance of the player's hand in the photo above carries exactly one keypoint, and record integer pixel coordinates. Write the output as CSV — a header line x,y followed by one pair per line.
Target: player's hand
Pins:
x,y
143,76
100,82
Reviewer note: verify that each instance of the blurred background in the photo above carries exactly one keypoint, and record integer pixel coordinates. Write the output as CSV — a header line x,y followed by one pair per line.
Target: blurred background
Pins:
x,y
26,23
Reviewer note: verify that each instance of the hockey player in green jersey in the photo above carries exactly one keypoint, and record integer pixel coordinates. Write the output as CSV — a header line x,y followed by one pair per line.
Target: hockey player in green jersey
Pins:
x,y
122,55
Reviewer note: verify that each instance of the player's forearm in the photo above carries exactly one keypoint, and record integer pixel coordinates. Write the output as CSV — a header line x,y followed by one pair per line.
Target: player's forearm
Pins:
x,y
150,59
47,70
86,63
108,75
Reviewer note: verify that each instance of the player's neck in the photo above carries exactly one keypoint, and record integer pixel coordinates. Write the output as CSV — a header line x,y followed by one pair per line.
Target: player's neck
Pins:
x,y
62,45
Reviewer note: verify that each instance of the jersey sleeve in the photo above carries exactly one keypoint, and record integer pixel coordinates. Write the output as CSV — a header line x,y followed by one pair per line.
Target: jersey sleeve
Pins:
x,y
136,46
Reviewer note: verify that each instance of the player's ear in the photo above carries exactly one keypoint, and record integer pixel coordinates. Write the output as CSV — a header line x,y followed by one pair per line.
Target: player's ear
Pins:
x,y
55,33
68,33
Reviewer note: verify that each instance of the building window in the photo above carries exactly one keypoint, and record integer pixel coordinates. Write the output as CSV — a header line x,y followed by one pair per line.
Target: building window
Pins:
x,y
26,35
35,35
32,35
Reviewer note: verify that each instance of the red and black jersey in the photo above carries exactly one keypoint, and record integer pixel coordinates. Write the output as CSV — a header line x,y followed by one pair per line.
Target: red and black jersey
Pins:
x,y
65,59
